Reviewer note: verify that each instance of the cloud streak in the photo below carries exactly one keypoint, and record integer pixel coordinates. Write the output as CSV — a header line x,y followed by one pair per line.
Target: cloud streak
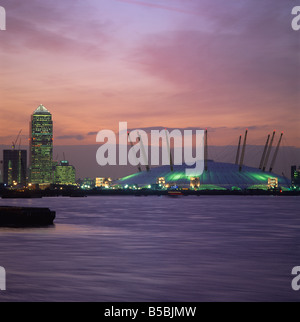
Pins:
x,y
54,29
233,67
77,137
158,6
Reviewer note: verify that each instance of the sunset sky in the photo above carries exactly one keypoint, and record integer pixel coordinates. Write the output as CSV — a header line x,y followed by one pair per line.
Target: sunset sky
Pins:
x,y
223,65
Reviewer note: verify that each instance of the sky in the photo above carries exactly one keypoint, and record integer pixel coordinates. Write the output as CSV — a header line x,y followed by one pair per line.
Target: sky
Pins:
x,y
151,63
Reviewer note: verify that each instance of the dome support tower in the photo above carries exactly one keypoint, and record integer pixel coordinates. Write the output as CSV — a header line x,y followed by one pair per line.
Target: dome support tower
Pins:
x,y
276,153
243,152
264,153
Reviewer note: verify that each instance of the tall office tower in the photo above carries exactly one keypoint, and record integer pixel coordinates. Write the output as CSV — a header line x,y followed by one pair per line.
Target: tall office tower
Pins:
x,y
14,167
41,146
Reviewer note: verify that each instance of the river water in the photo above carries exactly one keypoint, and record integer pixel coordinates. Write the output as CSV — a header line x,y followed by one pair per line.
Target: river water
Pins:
x,y
208,248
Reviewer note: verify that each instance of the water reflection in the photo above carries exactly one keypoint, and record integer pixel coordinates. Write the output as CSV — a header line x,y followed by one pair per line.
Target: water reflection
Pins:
x,y
155,249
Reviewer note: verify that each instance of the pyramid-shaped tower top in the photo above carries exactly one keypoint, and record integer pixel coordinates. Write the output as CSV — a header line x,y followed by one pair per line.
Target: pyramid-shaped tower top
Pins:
x,y
41,110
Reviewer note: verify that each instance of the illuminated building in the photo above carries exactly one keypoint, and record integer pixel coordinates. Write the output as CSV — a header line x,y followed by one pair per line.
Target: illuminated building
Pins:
x,y
41,146
216,175
65,174
195,182
295,175
219,176
273,183
14,167
103,182
99,182
87,183
161,181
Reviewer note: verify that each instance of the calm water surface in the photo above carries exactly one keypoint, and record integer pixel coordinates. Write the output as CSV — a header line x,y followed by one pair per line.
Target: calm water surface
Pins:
x,y
212,248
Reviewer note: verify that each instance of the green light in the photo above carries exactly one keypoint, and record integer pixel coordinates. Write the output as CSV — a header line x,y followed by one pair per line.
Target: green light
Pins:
x,y
260,177
129,177
258,187
210,187
177,176
220,177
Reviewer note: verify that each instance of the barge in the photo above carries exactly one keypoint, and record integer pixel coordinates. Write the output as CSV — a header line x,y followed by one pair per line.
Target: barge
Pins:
x,y
26,216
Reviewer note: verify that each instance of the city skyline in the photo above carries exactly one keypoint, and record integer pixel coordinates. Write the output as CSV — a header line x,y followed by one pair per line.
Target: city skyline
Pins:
x,y
45,170
41,138
173,64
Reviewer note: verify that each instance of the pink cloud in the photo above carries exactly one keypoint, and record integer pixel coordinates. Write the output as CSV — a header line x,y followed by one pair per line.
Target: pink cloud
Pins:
x,y
242,69
224,66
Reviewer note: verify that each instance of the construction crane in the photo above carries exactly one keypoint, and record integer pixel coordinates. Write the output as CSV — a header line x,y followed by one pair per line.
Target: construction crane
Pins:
x,y
16,141
20,141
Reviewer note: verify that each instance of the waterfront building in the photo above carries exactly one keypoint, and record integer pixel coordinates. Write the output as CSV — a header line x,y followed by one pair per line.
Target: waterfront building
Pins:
x,y
86,183
103,182
295,175
65,174
41,147
219,176
194,182
14,167
99,182
273,183
161,181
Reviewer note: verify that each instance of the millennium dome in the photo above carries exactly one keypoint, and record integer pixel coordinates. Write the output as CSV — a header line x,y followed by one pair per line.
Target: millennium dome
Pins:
x,y
218,176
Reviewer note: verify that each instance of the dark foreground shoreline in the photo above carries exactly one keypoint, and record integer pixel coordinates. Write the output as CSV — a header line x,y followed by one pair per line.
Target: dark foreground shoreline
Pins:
x,y
10,194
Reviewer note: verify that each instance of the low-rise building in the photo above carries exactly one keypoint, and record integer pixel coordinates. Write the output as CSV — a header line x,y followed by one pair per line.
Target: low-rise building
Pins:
x,y
65,174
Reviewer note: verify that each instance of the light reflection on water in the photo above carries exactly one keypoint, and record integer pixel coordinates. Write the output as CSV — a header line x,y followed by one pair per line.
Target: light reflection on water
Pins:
x,y
213,248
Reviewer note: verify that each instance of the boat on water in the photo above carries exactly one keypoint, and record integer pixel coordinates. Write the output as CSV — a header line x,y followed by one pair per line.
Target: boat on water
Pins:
x,y
174,193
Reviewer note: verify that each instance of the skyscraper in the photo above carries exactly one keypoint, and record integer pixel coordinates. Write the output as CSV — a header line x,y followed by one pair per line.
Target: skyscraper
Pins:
x,y
14,167
41,146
